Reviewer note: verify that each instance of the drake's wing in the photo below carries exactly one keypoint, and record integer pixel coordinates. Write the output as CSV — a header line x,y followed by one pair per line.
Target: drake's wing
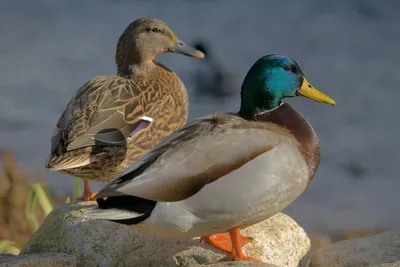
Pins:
x,y
194,156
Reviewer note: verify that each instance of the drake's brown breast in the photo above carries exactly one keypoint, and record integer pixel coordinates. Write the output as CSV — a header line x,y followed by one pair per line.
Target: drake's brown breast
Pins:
x,y
285,116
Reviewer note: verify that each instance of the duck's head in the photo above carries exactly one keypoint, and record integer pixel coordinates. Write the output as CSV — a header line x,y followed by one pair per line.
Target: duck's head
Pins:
x,y
145,38
273,78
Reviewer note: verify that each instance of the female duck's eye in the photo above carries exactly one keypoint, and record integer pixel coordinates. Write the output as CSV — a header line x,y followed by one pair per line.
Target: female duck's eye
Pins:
x,y
288,68
156,30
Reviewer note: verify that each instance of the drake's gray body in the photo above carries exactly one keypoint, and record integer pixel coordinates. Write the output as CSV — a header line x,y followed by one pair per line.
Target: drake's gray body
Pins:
x,y
266,164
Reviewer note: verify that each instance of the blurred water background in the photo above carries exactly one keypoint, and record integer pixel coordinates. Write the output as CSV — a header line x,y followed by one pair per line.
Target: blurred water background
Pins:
x,y
348,49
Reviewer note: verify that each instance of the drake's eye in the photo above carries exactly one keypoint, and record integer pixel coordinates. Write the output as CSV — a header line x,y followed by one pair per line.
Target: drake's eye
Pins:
x,y
156,30
288,68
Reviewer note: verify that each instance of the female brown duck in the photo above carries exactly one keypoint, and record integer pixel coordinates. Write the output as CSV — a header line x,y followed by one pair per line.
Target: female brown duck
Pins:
x,y
113,120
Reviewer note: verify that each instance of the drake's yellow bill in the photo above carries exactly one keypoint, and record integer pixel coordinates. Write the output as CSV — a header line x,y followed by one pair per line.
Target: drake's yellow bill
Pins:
x,y
307,90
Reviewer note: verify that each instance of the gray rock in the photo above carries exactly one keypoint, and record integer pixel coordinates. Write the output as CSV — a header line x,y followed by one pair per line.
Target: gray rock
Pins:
x,y
238,264
6,257
38,260
278,240
381,250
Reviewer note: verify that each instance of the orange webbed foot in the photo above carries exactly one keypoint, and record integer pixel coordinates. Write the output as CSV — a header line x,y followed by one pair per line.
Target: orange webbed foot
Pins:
x,y
240,256
88,195
223,241
231,243
220,241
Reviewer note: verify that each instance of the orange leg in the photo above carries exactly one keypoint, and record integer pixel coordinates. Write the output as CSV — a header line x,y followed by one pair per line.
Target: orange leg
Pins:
x,y
231,243
237,252
87,194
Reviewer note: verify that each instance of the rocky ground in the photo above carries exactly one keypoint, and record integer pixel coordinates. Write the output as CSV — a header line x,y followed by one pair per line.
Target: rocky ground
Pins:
x,y
279,241
67,239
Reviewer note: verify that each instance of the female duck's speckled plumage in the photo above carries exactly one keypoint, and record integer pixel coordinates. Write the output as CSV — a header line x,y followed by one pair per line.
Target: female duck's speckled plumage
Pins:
x,y
225,171
113,120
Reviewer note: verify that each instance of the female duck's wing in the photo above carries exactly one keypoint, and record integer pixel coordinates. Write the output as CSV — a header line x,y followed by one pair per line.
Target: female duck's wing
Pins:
x,y
104,111
194,156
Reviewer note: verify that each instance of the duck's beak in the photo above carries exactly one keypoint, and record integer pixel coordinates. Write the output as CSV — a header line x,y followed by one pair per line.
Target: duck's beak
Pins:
x,y
307,90
181,48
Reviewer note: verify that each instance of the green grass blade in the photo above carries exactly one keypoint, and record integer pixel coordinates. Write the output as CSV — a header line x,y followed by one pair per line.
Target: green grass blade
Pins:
x,y
43,197
38,194
77,188
30,211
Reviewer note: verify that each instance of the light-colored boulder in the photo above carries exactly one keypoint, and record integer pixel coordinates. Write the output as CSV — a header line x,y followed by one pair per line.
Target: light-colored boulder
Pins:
x,y
278,240
381,250
4,257
38,260
238,264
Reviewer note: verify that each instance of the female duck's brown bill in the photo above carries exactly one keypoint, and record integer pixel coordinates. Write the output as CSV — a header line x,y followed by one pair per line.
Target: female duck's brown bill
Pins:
x,y
181,48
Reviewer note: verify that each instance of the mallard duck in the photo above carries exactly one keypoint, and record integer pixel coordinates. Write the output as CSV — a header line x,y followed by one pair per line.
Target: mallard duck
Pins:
x,y
226,171
113,120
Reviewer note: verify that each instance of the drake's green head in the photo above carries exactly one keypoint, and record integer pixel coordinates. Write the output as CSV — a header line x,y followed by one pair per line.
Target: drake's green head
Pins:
x,y
271,79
